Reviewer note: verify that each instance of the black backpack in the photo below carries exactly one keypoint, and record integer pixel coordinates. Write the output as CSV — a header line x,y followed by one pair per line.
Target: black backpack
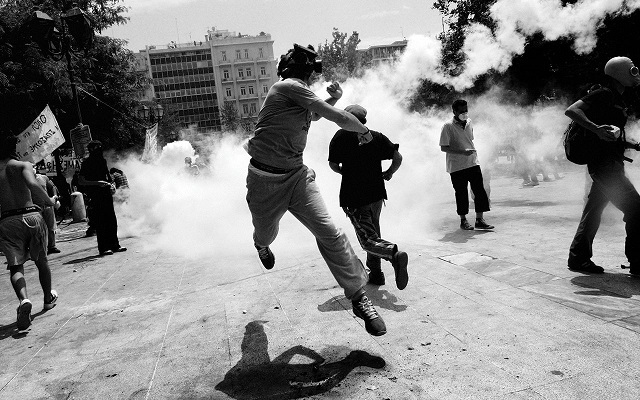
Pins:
x,y
580,144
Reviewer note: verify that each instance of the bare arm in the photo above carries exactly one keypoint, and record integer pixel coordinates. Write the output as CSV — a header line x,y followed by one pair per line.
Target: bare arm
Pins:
x,y
335,167
343,119
396,161
34,187
576,112
335,92
84,182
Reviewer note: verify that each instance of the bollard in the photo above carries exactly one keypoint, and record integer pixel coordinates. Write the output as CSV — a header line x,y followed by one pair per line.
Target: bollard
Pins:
x,y
78,210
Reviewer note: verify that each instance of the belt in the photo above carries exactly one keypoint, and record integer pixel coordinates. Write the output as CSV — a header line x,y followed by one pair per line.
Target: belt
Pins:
x,y
19,211
268,168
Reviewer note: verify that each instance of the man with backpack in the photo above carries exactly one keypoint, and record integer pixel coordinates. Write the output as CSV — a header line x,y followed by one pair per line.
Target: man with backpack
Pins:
x,y
602,112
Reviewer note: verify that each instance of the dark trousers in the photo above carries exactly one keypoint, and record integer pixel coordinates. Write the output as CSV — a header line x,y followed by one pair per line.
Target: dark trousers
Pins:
x,y
609,185
366,221
104,221
473,176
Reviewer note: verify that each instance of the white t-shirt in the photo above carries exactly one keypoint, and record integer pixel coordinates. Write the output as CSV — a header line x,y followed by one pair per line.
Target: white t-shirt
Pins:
x,y
458,137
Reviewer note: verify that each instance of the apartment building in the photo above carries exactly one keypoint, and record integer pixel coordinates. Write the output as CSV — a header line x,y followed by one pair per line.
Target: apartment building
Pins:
x,y
198,78
385,52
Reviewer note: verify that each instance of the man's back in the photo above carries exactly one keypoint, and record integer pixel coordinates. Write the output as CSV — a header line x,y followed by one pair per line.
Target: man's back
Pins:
x,y
14,192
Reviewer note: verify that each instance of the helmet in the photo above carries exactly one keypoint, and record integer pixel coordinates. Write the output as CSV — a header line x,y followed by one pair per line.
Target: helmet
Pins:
x,y
622,70
299,62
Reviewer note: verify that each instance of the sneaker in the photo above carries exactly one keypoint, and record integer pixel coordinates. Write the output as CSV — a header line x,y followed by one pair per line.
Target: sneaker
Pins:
x,y
106,253
465,225
266,256
52,302
376,276
24,314
530,183
585,266
480,224
364,310
53,250
399,262
119,249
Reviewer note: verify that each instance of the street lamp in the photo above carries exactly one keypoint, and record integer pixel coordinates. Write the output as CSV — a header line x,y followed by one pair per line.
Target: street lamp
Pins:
x,y
76,35
152,114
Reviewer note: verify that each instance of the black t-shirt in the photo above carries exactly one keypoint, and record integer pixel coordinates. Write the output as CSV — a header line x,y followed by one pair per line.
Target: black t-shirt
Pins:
x,y
95,169
362,181
606,107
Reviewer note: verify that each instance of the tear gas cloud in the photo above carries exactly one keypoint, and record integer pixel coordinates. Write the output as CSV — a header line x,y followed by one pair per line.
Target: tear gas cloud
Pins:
x,y
207,216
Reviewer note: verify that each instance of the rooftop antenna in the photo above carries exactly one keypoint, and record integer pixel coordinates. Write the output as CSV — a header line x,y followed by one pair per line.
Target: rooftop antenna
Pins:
x,y
177,31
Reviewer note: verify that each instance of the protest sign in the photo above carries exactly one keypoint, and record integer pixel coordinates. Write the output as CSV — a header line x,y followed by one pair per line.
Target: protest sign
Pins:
x,y
40,139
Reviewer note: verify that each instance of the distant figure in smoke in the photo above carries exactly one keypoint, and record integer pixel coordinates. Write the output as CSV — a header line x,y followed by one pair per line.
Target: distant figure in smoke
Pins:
x,y
48,212
362,193
278,181
456,139
601,111
122,185
191,168
23,232
95,178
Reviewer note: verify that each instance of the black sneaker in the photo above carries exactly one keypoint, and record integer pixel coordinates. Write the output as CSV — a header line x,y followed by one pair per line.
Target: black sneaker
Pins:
x,y
53,250
399,262
266,256
480,224
465,225
373,323
585,266
376,276
24,315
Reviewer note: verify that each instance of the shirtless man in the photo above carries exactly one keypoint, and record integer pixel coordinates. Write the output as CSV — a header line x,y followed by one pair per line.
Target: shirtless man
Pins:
x,y
23,232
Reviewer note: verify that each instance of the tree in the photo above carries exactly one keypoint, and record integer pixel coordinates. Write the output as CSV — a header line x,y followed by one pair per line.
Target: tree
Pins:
x,y
340,58
229,116
29,79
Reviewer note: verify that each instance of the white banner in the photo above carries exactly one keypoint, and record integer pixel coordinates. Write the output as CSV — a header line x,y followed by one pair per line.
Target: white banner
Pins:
x,y
41,138
151,144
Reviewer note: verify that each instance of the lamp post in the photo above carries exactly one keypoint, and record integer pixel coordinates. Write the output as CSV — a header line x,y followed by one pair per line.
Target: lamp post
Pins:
x,y
152,114
76,35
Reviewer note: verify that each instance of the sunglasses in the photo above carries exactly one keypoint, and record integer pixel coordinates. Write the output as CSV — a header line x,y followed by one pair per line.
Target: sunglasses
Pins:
x,y
634,71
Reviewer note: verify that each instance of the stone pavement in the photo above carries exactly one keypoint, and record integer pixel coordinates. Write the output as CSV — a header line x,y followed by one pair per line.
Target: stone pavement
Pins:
x,y
486,315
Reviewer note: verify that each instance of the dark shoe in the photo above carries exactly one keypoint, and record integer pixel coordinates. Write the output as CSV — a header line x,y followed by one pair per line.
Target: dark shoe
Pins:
x,y
585,266
53,250
399,262
465,225
24,314
52,301
480,224
634,270
106,253
530,183
363,309
266,256
119,249
376,277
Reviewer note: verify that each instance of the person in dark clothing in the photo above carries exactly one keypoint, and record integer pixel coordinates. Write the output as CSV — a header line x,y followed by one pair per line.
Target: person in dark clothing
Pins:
x,y
95,177
362,193
603,112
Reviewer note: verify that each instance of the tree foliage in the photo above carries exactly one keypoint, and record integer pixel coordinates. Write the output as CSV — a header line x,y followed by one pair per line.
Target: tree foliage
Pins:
x,y
29,79
340,58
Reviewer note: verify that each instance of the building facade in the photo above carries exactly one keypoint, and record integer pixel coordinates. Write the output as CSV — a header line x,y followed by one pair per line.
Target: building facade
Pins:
x,y
385,52
197,78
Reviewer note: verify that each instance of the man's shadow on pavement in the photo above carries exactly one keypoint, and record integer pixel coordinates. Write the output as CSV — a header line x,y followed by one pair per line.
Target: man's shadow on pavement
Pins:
x,y
620,285
462,236
256,376
379,298
11,330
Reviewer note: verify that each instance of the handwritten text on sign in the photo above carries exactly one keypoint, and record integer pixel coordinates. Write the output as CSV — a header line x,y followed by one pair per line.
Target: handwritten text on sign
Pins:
x,y
41,138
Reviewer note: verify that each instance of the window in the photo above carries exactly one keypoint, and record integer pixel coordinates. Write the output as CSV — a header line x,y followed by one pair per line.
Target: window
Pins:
x,y
261,55
246,53
237,54
240,73
250,89
228,92
245,108
248,72
253,108
263,71
243,90
225,74
224,56
265,88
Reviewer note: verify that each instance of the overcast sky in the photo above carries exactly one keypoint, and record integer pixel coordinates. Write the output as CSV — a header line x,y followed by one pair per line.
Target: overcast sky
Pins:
x,y
154,22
